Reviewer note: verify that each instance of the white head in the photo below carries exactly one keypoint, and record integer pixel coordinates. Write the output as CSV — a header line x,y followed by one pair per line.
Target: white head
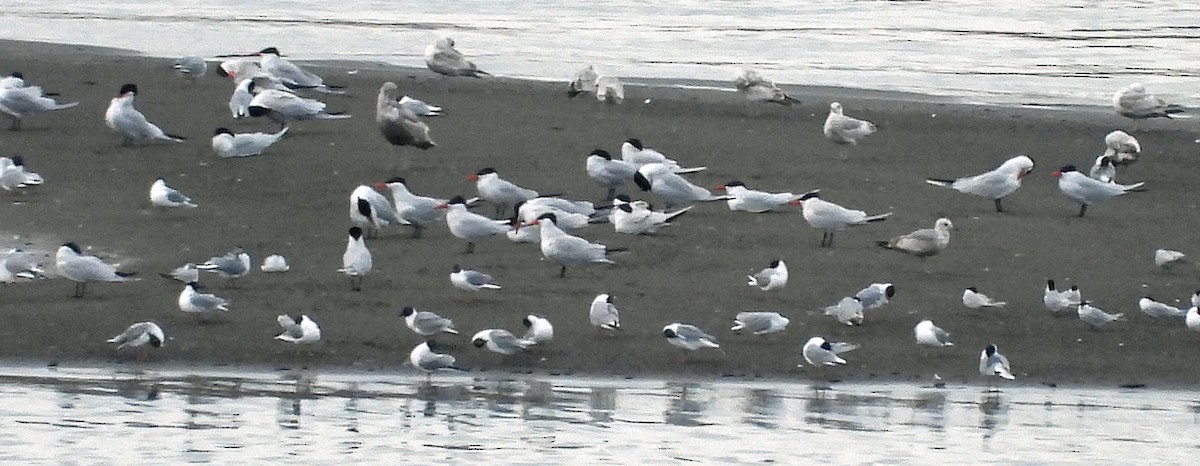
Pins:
x,y
835,108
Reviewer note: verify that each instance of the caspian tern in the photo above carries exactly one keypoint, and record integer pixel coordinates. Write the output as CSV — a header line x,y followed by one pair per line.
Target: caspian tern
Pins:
x,y
165,196
74,266
610,90
689,337
638,219
471,226
635,153
138,336
298,330
608,173
756,88
995,184
1096,317
500,341
973,299
876,295
239,101
603,312
425,357
831,218
773,277
1166,258
1103,170
14,175
842,129
19,102
749,200
848,310
191,67
291,75
538,329
128,122
568,216
471,280
992,363
929,334
426,323
924,242
371,210
356,261
1056,300
568,250
1087,191
1121,148
191,300
1158,309
442,58
1134,102
16,79
819,352
583,81
760,322
672,188
418,211
398,124
283,106
229,145
500,192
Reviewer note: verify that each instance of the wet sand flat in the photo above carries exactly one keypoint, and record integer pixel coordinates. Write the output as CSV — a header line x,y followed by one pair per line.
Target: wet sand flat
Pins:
x,y
293,200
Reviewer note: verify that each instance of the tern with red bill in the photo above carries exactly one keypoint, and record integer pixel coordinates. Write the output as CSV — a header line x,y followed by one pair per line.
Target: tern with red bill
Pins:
x,y
750,200
291,75
636,218
500,192
995,184
284,106
128,122
418,211
1087,191
636,153
831,218
672,188
609,173
20,101
566,250
471,226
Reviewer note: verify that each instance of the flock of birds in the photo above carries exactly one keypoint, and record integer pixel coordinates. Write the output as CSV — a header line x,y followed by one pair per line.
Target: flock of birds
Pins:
x,y
267,85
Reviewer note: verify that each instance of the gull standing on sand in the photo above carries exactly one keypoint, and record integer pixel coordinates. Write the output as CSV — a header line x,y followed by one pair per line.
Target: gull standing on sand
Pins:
x,y
1134,102
19,264
356,261
973,299
610,90
229,145
819,352
672,188
162,195
426,323
995,184
232,265
924,242
138,335
1121,148
74,266
425,357
19,102
283,106
635,153
749,200
191,67
583,81
418,211
1103,170
1087,191
471,280
603,312
186,273
1056,300
848,311
831,218
1096,317
371,210
992,363
191,300
843,129
398,124
929,334
1166,258
773,277
608,173
291,75
538,329
1158,309
442,58
756,88
875,295
500,341
760,322
503,194
637,219
470,226
688,336
568,250
299,330
13,175
128,122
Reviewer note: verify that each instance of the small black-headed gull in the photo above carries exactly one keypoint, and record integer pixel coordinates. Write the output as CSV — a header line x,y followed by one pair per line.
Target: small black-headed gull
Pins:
x,y
299,330
756,88
1158,309
760,322
442,58
186,273
635,153
1087,191
74,266
848,310
498,191
418,211
356,261
425,358
538,329
773,277
398,124
229,145
1166,258
232,265
603,312
291,75
1103,170
749,200
608,173
471,280
568,216
636,218
671,187
876,295
1134,102
22,101
140,335
819,352
973,299
583,81
1096,317
565,249
19,264
610,90
688,336
165,196
929,334
992,363
283,106
191,300
128,122
1056,300
1121,148
500,341
843,129
924,242
470,226
371,210
191,67
831,218
426,323
995,184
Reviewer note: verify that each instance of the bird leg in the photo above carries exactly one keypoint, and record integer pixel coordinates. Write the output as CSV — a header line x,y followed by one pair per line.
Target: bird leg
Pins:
x,y
416,231
470,248
562,273
79,288
998,207
1082,210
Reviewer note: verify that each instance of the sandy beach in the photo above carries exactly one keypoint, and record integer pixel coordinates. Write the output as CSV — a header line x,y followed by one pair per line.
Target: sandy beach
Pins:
x,y
293,201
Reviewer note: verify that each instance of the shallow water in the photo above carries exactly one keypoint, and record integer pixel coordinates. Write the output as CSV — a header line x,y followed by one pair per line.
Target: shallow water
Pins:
x,y
99,416
1021,51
